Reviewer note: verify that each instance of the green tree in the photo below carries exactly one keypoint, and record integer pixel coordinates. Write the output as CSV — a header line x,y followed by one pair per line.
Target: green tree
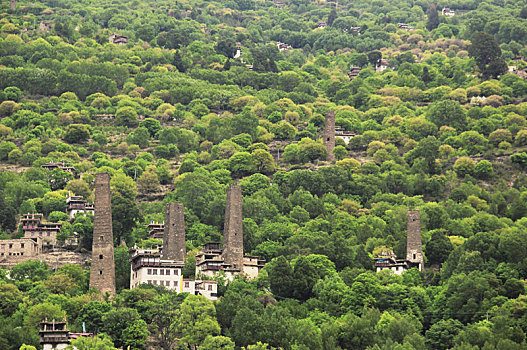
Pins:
x,y
217,342
135,335
438,248
10,297
281,277
263,161
196,320
447,112
464,166
32,270
442,334
309,150
433,17
98,342
37,313
487,53
76,133
126,116
116,321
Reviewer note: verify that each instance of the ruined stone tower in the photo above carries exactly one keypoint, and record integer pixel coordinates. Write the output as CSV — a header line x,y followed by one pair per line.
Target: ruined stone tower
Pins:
x,y
329,134
233,230
414,248
174,235
102,274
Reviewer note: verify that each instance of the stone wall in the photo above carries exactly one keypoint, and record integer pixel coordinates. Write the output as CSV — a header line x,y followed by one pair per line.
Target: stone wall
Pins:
x,y
329,134
233,229
174,235
414,247
102,274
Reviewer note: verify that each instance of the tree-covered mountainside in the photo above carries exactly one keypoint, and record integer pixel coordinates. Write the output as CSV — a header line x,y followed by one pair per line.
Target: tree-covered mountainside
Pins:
x,y
192,96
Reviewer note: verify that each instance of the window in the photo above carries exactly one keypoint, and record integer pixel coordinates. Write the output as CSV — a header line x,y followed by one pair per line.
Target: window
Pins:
x,y
149,281
414,256
100,256
32,234
149,271
187,284
49,234
167,272
101,238
175,283
21,253
176,272
162,272
154,271
10,246
100,272
3,246
210,287
21,245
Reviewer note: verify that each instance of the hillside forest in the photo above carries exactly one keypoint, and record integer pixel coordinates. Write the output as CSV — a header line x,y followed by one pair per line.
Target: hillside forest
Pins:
x,y
199,96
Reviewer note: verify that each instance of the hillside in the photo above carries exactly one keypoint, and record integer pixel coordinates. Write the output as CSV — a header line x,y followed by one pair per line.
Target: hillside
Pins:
x,y
427,103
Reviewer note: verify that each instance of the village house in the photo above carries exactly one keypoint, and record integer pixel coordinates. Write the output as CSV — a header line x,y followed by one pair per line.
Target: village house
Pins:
x,y
54,335
60,165
118,39
34,226
354,72
414,249
45,26
446,11
404,26
156,230
147,266
210,262
344,135
381,65
164,265
282,46
77,204
355,30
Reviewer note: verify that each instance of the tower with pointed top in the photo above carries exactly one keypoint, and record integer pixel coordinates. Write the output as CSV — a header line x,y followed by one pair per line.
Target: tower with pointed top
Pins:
x,y
329,134
414,247
233,229
102,273
174,234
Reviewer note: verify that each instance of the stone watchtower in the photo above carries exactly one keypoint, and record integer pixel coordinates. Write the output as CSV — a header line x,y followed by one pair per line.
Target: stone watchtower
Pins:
x,y
414,248
102,274
174,235
233,229
329,134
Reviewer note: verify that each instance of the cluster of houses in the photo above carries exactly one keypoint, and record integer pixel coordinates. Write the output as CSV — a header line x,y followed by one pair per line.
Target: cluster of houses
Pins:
x,y
164,265
40,235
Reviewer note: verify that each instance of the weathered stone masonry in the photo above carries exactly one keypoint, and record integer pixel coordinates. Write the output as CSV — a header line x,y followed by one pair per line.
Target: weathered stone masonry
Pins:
x,y
102,274
233,230
329,134
414,248
174,235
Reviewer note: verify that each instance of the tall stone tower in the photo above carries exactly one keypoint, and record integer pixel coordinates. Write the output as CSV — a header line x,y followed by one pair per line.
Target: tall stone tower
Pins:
x,y
329,134
12,3
414,248
102,274
174,235
233,230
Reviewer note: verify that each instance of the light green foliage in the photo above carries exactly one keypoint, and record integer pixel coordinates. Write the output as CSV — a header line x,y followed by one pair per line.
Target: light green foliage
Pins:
x,y
172,116
91,343
196,320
